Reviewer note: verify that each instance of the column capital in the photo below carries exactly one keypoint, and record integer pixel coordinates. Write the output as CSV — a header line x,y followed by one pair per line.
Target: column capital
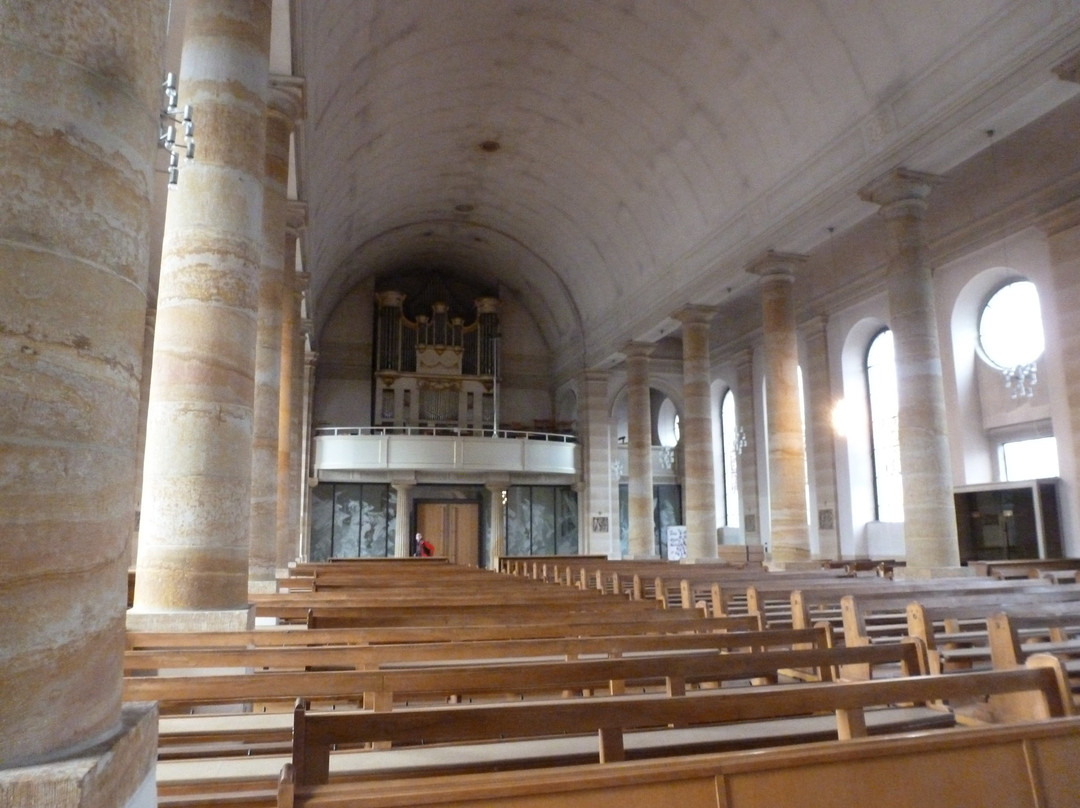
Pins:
x,y
638,350
777,265
900,187
816,324
496,483
1069,69
286,97
596,376
695,313
403,482
296,214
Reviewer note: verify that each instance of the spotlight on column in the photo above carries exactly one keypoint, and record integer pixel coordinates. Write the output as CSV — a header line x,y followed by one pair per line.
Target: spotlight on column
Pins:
x,y
171,120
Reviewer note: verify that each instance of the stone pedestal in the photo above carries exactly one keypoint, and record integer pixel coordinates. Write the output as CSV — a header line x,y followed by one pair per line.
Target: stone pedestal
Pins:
x,y
117,771
928,573
192,620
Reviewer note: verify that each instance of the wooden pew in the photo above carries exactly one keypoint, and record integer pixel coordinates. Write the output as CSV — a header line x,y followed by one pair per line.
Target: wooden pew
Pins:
x,y
950,644
1061,627
1026,765
361,657
664,623
253,733
613,722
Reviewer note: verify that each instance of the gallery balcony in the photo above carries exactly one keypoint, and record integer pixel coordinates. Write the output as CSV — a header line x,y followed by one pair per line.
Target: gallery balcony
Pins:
x,y
348,453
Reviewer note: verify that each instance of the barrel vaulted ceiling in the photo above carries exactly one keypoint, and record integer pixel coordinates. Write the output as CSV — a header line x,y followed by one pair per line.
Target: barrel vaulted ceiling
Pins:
x,y
610,161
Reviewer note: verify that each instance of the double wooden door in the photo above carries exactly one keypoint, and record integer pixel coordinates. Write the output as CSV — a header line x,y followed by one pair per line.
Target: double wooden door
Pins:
x,y
453,528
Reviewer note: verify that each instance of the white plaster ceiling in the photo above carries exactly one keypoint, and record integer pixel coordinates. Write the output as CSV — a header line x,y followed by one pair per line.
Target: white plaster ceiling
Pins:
x,y
647,149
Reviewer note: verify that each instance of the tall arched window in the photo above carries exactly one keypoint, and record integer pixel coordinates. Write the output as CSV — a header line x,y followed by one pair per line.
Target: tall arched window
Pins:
x,y
884,430
729,436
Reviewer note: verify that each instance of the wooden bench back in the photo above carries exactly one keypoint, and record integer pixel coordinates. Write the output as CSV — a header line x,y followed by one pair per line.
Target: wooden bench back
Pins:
x,y
316,733
1002,765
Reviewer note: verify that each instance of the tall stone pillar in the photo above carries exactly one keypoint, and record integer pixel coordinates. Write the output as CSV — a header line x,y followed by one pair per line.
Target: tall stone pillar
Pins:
x,y
1061,312
78,132
307,388
290,402
140,439
695,426
642,533
600,524
819,405
790,538
930,538
497,519
262,557
402,536
747,438
193,545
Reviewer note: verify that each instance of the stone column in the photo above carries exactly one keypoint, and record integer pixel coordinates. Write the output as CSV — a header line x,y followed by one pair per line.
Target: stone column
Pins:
x,y
290,398
81,92
642,533
140,439
402,534
262,557
307,389
748,476
695,426
790,539
819,404
600,524
193,549
930,538
1061,312
497,517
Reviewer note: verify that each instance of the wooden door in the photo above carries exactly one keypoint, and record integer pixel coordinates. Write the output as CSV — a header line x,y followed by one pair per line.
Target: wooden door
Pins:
x,y
453,528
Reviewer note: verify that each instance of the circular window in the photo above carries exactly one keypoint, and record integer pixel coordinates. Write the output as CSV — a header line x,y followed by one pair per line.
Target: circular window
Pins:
x,y
667,424
1010,326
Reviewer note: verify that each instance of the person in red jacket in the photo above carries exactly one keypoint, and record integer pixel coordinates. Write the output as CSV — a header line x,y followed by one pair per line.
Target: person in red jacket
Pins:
x,y
422,547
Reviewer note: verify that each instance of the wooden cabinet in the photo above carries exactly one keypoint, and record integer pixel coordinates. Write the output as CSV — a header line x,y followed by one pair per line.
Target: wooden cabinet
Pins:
x,y
1008,520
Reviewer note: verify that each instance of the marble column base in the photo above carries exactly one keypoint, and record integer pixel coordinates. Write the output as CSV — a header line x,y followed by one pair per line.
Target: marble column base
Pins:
x,y
713,560
925,573
262,587
200,620
794,565
117,772
632,557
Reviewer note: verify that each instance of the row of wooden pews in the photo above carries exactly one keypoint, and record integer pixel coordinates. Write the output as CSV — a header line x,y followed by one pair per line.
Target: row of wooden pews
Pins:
x,y
571,690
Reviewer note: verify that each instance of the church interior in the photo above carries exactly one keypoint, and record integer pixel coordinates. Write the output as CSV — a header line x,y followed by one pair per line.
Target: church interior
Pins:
x,y
657,325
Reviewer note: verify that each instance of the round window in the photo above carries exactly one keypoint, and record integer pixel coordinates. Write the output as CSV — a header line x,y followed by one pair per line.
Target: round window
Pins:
x,y
1010,326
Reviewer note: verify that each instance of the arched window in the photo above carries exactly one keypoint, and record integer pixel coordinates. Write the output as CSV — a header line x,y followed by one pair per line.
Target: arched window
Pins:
x,y
732,442
884,430
1011,334
667,424
1011,340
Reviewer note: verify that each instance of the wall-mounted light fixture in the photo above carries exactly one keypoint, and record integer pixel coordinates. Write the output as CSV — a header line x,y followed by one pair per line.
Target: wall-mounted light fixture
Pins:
x,y
173,122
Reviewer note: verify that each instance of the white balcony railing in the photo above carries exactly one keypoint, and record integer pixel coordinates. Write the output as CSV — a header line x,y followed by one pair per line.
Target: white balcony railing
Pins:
x,y
445,449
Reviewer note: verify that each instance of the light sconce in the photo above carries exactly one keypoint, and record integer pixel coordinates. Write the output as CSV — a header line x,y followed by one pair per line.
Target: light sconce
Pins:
x,y
667,456
174,121
1020,380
